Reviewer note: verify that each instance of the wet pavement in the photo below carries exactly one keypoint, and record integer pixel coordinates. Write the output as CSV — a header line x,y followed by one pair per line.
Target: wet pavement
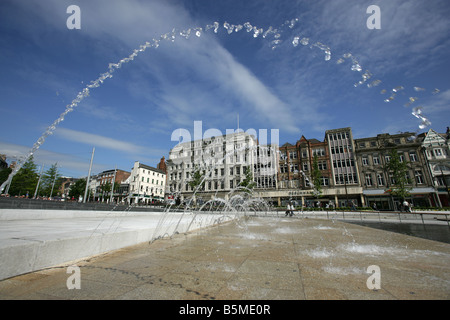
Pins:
x,y
256,259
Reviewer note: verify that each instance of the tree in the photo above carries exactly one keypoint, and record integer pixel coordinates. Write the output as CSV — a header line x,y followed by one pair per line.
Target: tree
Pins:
x,y
248,182
77,189
25,180
49,178
316,175
399,171
4,174
106,188
197,181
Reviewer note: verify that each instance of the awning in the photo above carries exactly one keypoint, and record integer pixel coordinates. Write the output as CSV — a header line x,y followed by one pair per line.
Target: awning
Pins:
x,y
382,192
375,192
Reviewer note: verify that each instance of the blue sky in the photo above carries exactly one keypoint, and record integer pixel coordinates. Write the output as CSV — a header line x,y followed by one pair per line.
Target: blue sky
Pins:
x,y
270,82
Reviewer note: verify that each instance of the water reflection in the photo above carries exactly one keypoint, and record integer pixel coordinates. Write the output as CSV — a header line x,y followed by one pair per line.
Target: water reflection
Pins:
x,y
439,233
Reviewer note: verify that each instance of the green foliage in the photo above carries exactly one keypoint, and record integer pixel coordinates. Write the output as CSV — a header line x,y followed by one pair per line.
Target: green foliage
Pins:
x,y
248,180
316,175
399,170
77,189
106,188
197,181
48,178
4,174
25,180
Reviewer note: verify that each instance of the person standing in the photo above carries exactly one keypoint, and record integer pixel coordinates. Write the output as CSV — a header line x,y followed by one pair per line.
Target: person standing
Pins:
x,y
406,206
290,209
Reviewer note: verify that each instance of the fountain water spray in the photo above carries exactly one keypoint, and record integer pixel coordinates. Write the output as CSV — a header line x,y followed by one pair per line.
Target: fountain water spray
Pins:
x,y
197,31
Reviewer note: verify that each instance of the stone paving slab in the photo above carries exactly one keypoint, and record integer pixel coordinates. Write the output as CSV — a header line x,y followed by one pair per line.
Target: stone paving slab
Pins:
x,y
256,259
32,240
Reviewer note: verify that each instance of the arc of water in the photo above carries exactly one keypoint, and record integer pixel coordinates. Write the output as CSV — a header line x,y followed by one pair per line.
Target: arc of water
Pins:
x,y
171,36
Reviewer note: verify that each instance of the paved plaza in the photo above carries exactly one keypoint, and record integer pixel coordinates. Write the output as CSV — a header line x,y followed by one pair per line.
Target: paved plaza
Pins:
x,y
260,258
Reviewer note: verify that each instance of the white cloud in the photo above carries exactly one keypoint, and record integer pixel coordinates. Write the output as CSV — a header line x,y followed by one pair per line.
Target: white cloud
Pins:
x,y
407,37
69,163
102,142
221,83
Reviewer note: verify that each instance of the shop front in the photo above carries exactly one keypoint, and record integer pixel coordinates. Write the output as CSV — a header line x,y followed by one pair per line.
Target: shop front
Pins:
x,y
380,199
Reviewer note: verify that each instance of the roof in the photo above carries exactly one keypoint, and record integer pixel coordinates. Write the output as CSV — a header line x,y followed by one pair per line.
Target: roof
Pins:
x,y
144,166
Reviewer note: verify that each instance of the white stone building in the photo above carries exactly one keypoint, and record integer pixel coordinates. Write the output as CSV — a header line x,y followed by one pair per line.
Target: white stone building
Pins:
x,y
146,184
224,160
437,152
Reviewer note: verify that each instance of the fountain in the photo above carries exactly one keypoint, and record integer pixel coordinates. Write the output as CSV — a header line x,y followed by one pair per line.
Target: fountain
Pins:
x,y
274,35
238,204
241,203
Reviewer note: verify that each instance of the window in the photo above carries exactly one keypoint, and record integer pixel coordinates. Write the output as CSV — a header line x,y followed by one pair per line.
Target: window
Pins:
x,y
319,152
387,158
368,179
408,180
440,181
392,179
322,165
419,177
376,160
437,152
305,167
324,181
413,156
365,161
380,179
362,144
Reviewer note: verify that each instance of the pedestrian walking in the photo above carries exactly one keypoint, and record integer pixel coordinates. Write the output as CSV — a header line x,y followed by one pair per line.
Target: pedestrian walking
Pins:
x,y
290,209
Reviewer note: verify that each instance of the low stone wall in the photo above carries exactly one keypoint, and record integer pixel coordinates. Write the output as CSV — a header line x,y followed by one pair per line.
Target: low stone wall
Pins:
x,y
33,239
22,203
